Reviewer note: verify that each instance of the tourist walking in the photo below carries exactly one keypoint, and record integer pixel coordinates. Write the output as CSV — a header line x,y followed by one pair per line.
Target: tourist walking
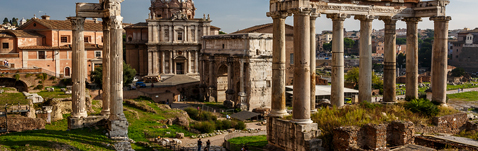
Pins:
x,y
208,144
199,144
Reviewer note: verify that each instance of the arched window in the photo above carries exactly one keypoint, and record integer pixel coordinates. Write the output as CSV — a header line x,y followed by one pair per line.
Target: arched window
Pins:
x,y
67,72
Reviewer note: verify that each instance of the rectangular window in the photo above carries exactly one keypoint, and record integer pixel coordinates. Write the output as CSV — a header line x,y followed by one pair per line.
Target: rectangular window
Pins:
x,y
180,35
87,39
6,45
64,39
41,55
98,54
292,58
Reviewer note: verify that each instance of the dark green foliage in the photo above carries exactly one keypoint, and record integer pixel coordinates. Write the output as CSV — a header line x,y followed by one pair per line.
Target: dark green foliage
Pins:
x,y
422,106
348,43
14,21
16,76
128,75
240,125
205,127
28,75
200,115
97,76
369,105
458,72
401,60
67,81
5,21
401,41
143,98
53,78
222,32
327,46
39,87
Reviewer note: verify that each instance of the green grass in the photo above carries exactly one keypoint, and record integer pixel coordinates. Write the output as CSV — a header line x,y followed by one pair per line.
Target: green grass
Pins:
x,y
466,96
466,85
12,98
56,137
55,94
469,134
8,89
252,141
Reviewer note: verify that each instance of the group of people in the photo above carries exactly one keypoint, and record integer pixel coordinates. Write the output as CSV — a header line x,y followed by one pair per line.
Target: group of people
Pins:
x,y
5,63
208,145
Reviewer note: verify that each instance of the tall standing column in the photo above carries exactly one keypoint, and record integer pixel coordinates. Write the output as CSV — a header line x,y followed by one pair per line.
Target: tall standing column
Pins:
x,y
170,62
196,59
173,63
106,67
439,59
389,68
313,58
163,65
412,58
78,68
118,124
365,69
150,61
230,89
242,93
337,91
155,61
301,98
212,80
278,105
189,62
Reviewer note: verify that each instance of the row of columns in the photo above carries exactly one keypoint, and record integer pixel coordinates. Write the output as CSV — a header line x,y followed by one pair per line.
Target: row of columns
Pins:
x,y
154,67
304,40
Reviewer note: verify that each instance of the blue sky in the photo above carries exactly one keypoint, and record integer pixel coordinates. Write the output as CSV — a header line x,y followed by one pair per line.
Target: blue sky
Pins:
x,y
230,15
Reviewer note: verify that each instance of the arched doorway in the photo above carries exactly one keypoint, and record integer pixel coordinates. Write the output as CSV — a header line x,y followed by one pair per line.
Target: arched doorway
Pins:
x,y
10,82
180,63
221,83
67,72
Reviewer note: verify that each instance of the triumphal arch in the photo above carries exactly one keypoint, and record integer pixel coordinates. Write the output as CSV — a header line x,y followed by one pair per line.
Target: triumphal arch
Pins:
x,y
305,12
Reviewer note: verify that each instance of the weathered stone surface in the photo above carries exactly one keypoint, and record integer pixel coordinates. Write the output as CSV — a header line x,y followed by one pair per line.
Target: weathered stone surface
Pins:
x,y
76,123
229,104
450,123
180,135
288,135
471,126
18,124
182,121
400,133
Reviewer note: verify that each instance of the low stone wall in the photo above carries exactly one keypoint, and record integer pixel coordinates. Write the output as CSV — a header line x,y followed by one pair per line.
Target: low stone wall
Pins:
x,y
472,126
437,143
18,124
451,124
286,135
76,123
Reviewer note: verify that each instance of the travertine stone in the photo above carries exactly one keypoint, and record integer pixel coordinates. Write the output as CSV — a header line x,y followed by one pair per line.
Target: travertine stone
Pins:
x,y
106,67
412,58
78,75
196,59
118,124
313,17
389,68
337,94
163,63
301,98
439,58
171,62
212,81
278,66
365,74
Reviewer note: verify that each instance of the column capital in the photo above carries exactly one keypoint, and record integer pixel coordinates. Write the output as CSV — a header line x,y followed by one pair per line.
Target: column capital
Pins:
x,y
440,18
116,22
301,11
77,23
412,19
338,17
106,23
314,15
367,18
278,14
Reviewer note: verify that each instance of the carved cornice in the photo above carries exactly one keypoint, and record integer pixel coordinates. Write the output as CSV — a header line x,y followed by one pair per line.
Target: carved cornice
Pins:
x,y
389,20
367,18
77,23
440,18
301,11
412,19
278,15
338,17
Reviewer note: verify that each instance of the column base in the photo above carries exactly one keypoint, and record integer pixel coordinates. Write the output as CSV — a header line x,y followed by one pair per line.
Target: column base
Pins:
x,y
105,112
118,129
80,115
278,113
302,121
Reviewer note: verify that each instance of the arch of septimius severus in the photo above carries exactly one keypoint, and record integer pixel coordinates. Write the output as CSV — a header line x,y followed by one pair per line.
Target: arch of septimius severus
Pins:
x,y
305,13
110,12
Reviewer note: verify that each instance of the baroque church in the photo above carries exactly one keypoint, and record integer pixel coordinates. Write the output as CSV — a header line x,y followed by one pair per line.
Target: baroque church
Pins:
x,y
168,43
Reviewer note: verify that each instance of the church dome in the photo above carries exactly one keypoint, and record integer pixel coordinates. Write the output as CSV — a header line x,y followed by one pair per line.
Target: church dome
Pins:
x,y
172,9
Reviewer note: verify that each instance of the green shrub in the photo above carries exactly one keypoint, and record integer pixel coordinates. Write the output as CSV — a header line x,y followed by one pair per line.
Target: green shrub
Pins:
x,y
200,115
16,76
205,127
28,75
422,106
39,87
53,78
369,105
240,125
67,81
220,125
226,124
40,82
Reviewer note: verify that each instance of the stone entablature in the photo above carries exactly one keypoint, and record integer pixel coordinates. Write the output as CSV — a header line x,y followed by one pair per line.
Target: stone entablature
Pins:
x,y
237,68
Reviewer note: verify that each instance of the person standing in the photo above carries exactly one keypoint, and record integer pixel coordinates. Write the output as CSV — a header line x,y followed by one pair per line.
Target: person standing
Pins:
x,y
199,144
208,144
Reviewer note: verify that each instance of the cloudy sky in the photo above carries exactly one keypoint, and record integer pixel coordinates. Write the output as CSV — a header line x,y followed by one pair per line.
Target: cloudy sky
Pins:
x,y
230,15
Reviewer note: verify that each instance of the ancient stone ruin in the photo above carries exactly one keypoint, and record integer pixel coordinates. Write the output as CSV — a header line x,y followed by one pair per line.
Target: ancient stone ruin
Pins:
x,y
110,12
305,13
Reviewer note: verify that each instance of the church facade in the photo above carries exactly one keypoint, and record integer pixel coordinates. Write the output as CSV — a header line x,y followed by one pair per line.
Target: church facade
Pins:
x,y
168,43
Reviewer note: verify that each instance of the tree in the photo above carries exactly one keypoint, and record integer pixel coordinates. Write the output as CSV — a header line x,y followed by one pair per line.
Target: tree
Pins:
x,y
348,43
458,72
14,21
327,46
425,53
128,75
430,33
401,60
401,41
353,77
5,21
222,32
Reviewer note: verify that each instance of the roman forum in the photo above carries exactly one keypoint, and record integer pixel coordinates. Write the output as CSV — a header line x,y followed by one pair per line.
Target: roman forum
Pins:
x,y
110,12
389,11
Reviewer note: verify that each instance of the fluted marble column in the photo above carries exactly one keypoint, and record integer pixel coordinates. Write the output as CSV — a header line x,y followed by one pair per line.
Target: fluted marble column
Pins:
x,y
78,75
412,58
118,124
313,17
196,59
106,86
439,58
170,62
337,94
365,74
212,80
301,97
278,65
163,65
189,62
389,68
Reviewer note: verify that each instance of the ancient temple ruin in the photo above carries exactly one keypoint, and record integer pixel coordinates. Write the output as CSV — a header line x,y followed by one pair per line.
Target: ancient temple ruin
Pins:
x,y
305,13
110,12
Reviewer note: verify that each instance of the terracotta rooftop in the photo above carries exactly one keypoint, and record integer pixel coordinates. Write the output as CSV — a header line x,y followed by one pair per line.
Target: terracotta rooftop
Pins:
x,y
214,27
258,27
21,33
63,24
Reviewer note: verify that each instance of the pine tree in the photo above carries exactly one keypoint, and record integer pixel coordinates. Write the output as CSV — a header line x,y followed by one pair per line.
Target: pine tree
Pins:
x,y
5,21
14,21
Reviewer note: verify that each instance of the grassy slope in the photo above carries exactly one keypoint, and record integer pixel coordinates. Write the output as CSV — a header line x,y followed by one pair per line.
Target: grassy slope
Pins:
x,y
12,98
55,94
466,96
254,141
